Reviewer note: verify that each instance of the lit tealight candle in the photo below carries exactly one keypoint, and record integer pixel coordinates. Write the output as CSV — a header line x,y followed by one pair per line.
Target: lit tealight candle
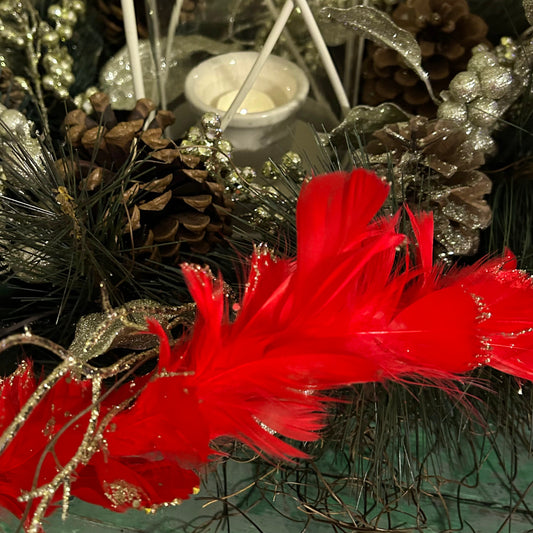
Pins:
x,y
255,102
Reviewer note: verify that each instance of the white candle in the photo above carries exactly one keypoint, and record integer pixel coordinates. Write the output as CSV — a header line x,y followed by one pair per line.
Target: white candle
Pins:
x,y
255,102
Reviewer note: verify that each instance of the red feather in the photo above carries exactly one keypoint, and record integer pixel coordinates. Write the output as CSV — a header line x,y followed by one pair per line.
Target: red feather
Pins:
x,y
504,301
355,306
20,461
346,311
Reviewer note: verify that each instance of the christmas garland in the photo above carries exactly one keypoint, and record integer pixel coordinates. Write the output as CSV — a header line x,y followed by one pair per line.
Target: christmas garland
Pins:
x,y
361,302
167,347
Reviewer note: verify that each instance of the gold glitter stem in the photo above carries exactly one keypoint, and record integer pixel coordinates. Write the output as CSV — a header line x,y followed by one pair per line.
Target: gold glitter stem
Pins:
x,y
33,53
47,491
28,338
85,451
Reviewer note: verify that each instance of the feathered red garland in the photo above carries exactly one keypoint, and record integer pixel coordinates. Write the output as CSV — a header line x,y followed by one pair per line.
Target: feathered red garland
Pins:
x,y
354,306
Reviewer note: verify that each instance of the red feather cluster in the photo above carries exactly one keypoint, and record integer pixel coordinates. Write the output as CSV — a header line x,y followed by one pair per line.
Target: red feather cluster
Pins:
x,y
361,302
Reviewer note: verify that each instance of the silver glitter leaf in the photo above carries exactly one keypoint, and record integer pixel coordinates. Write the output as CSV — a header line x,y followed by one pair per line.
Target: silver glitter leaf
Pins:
x,y
528,10
377,26
363,120
99,332
16,139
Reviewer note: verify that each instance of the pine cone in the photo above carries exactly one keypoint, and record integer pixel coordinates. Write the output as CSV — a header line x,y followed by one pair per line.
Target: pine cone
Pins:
x,y
173,204
190,10
446,32
110,12
434,169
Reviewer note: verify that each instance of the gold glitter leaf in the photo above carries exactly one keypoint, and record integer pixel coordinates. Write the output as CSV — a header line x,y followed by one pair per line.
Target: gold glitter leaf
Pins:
x,y
377,26
98,332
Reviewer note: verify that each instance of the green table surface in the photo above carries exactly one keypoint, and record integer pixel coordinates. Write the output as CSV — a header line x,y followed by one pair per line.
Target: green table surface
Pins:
x,y
492,506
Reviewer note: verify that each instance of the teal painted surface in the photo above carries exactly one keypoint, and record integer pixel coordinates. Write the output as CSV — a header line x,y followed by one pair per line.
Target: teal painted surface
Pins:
x,y
488,505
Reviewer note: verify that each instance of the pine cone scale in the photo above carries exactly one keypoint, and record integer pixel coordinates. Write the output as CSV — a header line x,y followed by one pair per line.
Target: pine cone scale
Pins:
x,y
134,220
158,185
169,250
152,138
198,175
166,230
157,204
194,222
200,202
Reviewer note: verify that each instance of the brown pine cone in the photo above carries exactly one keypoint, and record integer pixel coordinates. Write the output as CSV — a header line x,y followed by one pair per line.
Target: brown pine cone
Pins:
x,y
434,169
110,11
446,32
191,9
173,206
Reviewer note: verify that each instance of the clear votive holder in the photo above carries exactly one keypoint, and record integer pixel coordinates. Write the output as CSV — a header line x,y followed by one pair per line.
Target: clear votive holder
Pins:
x,y
271,105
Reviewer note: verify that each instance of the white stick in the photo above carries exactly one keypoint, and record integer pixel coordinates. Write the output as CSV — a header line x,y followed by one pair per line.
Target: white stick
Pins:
x,y
132,40
259,63
323,51
160,63
358,70
174,21
293,49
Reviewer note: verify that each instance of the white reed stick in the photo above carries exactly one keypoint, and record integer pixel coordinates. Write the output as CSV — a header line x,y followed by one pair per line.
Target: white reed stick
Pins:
x,y
358,70
132,40
323,51
160,63
259,63
172,26
293,49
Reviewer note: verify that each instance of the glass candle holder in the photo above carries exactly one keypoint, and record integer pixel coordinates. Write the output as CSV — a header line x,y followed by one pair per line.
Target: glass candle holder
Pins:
x,y
270,106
